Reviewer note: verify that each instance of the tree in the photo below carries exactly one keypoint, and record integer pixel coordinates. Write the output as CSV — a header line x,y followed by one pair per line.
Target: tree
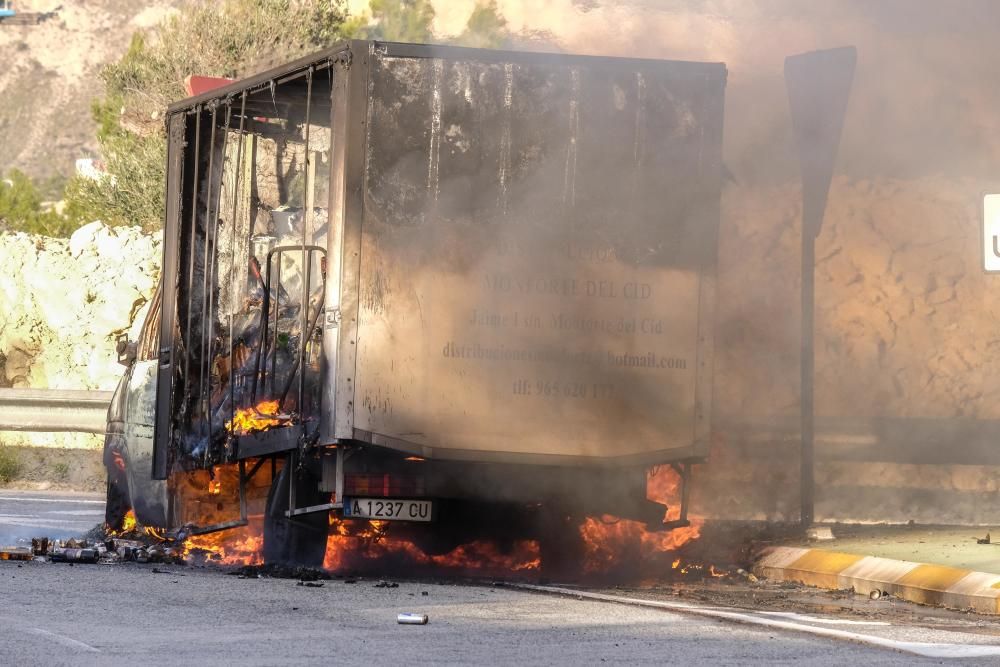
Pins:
x,y
21,208
486,28
233,38
396,21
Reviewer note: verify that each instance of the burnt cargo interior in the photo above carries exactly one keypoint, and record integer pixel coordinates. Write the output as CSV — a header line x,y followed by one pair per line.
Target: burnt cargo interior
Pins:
x,y
460,254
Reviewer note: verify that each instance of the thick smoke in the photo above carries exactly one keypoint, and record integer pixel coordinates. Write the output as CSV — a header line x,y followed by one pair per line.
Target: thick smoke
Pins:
x,y
905,320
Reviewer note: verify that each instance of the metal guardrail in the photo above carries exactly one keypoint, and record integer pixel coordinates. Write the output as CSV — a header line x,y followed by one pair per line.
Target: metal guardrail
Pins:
x,y
54,410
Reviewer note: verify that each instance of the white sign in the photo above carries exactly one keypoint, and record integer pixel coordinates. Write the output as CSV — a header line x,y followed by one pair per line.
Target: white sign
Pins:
x,y
991,233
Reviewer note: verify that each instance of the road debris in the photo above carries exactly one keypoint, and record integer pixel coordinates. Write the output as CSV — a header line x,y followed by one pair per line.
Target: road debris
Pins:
x,y
819,534
387,584
984,540
15,553
73,555
311,584
279,571
39,546
407,618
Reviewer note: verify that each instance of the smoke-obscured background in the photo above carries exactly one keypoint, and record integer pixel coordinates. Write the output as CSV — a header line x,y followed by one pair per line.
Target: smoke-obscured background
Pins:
x,y
907,328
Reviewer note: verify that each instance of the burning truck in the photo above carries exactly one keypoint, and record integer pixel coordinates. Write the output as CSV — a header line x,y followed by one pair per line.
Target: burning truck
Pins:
x,y
465,292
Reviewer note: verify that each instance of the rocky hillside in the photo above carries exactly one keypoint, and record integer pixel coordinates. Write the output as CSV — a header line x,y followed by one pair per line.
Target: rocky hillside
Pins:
x,y
63,302
50,74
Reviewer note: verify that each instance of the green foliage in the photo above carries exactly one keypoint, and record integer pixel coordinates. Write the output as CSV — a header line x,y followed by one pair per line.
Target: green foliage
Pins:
x,y
396,21
21,208
231,38
486,28
60,470
10,465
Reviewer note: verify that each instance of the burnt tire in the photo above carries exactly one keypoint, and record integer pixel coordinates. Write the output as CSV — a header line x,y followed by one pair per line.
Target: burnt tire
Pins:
x,y
116,506
300,540
560,545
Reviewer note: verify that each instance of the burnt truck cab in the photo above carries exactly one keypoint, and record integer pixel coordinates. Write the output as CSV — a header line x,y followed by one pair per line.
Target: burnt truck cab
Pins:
x,y
451,287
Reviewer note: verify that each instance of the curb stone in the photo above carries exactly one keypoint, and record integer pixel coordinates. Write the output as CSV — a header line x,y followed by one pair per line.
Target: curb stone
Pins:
x,y
923,583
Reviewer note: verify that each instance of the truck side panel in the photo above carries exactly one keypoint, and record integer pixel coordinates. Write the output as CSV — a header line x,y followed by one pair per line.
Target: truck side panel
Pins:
x,y
537,251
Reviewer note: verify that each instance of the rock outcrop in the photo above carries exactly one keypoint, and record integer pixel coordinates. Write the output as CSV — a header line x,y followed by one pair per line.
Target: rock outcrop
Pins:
x,y
62,304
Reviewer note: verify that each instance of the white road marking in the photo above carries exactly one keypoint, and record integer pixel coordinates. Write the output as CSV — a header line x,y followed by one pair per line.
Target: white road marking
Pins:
x,y
34,521
77,512
817,619
925,649
65,641
70,501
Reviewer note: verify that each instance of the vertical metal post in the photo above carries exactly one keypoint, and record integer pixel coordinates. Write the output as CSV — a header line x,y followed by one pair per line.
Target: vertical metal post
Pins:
x,y
291,463
277,306
819,84
339,484
685,489
807,366
211,223
306,265
188,347
232,223
243,489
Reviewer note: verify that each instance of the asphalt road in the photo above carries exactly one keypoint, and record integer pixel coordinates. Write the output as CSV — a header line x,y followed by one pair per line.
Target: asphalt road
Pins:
x,y
58,614
59,515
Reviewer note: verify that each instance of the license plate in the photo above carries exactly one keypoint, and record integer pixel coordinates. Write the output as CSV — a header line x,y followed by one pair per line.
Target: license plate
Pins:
x,y
387,509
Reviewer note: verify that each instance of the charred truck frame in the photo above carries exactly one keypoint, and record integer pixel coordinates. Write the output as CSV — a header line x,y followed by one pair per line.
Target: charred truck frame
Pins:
x,y
430,283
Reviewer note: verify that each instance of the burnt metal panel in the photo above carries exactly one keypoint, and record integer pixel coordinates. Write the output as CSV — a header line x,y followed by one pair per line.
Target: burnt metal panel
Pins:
x,y
335,242
266,443
286,72
536,235
168,307
350,157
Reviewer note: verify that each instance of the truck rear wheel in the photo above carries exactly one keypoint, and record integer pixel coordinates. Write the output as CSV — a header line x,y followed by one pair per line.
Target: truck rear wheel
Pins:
x,y
560,545
297,540
116,505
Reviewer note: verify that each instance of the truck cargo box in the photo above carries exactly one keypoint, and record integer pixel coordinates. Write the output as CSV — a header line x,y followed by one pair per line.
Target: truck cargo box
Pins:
x,y
458,253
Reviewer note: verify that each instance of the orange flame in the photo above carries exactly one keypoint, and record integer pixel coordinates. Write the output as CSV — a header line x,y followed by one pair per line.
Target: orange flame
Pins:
x,y
345,551
610,541
260,418
238,546
353,546
128,525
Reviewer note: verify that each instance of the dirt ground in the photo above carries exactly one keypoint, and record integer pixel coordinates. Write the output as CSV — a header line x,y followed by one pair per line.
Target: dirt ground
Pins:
x,y
45,468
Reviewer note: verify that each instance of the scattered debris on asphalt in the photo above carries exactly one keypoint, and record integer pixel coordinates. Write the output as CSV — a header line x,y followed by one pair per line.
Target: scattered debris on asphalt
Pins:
x,y
819,533
15,553
311,584
279,571
387,584
407,618
984,540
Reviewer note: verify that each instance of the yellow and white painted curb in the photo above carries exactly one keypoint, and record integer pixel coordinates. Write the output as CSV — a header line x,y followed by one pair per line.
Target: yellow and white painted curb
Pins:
x,y
917,582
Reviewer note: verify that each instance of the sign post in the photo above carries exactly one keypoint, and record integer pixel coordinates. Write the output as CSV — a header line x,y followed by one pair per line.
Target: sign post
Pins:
x,y
819,84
